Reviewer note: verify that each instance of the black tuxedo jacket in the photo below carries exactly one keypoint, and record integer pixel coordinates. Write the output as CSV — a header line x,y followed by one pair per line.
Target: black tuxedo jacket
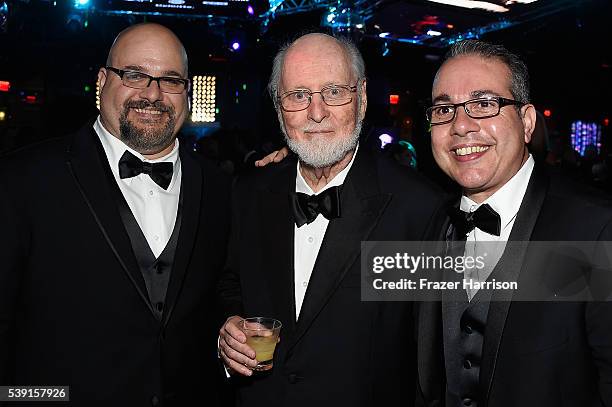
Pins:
x,y
535,353
341,351
73,303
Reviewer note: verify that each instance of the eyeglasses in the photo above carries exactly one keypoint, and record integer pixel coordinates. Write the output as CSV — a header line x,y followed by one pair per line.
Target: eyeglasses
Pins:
x,y
332,95
140,80
481,108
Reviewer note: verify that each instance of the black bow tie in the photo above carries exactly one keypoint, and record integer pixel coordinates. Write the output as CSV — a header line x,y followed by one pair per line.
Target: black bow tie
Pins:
x,y
130,166
306,208
484,218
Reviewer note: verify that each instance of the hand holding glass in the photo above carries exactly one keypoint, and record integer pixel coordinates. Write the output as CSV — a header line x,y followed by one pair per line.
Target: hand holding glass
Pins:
x,y
262,336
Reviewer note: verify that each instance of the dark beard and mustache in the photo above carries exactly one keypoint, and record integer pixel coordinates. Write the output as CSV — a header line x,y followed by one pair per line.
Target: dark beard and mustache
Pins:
x,y
149,139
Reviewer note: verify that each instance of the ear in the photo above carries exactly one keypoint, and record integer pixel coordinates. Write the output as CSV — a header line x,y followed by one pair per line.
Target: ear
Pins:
x,y
102,77
364,99
528,116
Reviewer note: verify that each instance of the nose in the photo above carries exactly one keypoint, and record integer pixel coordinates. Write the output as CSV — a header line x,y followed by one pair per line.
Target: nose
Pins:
x,y
318,110
152,93
463,124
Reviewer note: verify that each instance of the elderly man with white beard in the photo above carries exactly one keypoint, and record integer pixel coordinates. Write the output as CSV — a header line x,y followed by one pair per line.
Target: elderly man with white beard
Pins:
x,y
295,244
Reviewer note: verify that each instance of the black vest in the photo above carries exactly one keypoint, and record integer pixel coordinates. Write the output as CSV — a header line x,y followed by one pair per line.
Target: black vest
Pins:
x,y
155,271
463,327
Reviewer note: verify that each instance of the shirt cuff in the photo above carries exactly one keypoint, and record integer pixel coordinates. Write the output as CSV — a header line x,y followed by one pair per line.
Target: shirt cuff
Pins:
x,y
227,375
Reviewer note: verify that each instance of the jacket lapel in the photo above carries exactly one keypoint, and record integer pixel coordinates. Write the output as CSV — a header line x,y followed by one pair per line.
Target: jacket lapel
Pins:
x,y
276,237
87,164
429,352
191,201
362,205
508,269
430,360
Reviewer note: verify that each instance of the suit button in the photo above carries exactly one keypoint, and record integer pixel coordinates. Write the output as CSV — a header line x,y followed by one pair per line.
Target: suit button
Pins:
x,y
467,364
467,402
159,306
468,329
159,268
292,378
155,401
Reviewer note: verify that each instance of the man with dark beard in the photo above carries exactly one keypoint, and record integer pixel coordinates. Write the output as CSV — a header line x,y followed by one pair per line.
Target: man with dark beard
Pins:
x,y
111,242
295,244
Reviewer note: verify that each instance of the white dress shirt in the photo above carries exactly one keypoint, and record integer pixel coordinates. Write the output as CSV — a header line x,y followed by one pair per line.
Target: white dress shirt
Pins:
x,y
506,201
308,237
153,207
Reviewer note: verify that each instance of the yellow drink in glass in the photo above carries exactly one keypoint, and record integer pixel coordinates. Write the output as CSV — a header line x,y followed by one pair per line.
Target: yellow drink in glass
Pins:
x,y
262,336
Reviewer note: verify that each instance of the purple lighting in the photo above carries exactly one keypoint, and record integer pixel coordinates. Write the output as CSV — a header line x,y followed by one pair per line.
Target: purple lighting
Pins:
x,y
585,134
250,10
236,46
385,139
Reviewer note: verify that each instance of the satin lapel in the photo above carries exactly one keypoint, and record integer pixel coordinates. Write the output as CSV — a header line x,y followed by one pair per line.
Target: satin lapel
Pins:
x,y
430,335
508,269
362,205
86,162
429,351
274,238
191,191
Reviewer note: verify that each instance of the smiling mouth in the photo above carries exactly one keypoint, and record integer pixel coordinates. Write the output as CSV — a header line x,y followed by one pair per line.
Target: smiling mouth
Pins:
x,y
463,151
148,111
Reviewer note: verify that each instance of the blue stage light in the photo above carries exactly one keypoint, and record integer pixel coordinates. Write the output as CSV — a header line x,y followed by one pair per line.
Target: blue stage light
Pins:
x,y
82,4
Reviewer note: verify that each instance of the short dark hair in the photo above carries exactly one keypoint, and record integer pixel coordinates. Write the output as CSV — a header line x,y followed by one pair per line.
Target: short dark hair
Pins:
x,y
519,75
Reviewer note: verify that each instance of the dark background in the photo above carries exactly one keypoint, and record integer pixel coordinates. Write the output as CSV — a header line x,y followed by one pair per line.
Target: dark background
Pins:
x,y
50,53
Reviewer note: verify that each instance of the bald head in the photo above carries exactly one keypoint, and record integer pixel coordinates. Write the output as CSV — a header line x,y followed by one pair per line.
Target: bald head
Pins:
x,y
315,45
141,34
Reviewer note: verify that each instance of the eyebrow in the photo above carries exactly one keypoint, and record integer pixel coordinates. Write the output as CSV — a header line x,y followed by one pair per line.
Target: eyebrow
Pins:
x,y
441,98
325,85
144,70
483,93
444,98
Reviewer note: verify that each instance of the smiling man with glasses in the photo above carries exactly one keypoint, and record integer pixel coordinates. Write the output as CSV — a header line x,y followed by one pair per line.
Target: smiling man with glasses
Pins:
x,y
112,241
143,98
485,347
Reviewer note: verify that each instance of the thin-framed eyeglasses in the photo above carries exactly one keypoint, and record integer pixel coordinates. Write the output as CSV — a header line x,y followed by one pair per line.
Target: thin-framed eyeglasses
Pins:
x,y
140,80
332,95
481,108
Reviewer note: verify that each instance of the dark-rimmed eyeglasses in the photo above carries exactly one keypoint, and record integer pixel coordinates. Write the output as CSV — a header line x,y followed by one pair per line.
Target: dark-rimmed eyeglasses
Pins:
x,y
332,95
140,80
481,108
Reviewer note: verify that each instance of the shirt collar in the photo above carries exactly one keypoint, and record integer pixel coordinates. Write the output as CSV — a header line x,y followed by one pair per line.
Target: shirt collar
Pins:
x,y
506,201
303,187
114,149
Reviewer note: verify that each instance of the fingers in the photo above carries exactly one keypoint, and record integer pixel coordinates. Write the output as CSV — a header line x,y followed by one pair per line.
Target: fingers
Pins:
x,y
281,154
236,361
267,159
275,156
234,351
232,328
263,162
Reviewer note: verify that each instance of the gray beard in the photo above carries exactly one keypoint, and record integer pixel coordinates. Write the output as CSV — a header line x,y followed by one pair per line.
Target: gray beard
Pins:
x,y
147,140
321,152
